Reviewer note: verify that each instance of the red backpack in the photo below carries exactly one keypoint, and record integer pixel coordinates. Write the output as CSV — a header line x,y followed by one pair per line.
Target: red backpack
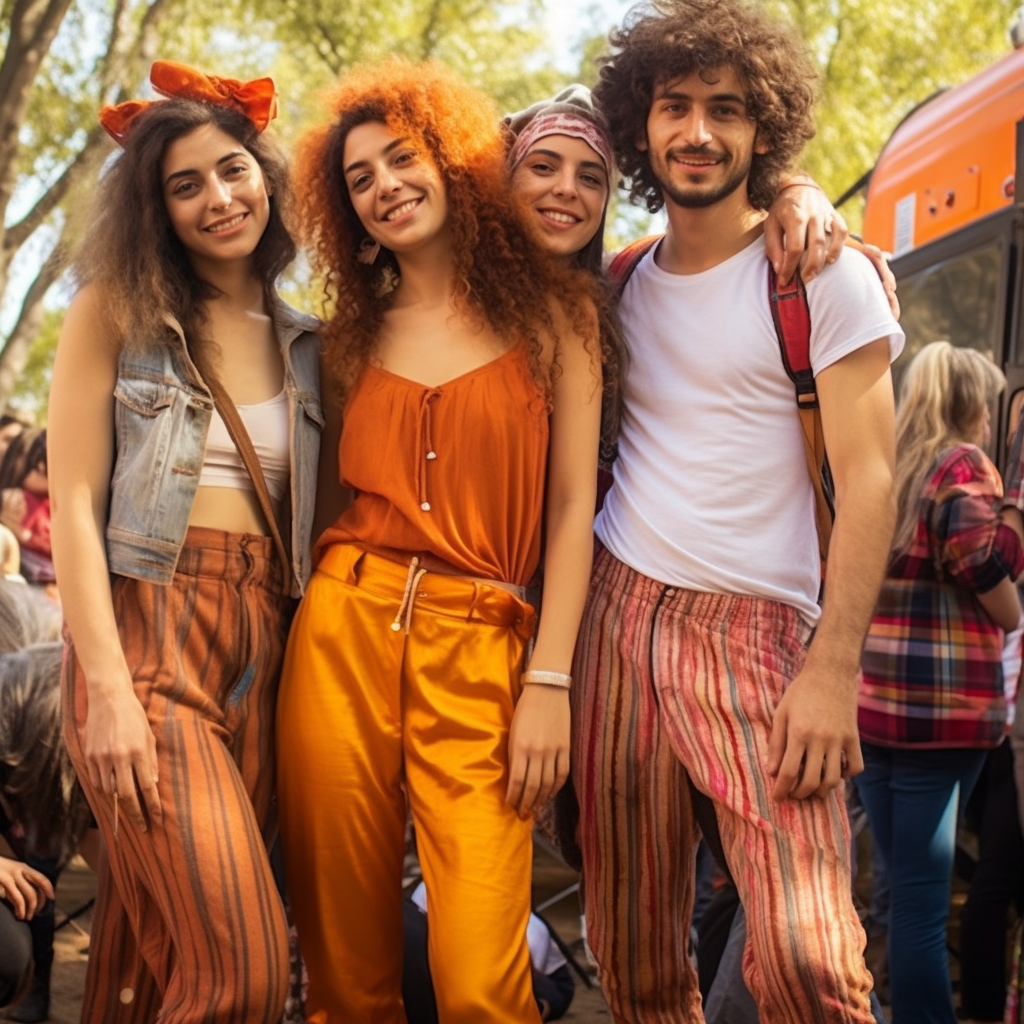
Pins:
x,y
792,319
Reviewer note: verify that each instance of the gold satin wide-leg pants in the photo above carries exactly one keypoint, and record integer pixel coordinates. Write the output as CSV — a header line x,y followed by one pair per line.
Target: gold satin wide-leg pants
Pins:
x,y
400,685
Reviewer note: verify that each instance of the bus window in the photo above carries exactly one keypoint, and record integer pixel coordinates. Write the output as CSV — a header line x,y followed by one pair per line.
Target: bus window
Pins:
x,y
957,300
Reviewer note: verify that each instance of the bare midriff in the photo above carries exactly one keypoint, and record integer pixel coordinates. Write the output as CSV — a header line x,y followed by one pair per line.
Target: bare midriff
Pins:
x,y
231,509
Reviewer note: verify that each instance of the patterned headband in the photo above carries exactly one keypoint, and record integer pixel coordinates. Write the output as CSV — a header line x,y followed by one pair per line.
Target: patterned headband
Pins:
x,y
561,123
257,99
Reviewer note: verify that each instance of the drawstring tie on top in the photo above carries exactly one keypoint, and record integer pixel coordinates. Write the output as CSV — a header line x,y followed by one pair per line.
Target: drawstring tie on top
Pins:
x,y
426,453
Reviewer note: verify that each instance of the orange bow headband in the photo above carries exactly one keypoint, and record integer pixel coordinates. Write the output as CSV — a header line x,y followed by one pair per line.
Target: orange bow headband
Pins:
x,y
257,99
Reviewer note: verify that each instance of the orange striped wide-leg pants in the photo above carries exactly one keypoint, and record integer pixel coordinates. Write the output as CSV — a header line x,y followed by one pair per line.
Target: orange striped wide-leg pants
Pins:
x,y
398,691
672,685
190,928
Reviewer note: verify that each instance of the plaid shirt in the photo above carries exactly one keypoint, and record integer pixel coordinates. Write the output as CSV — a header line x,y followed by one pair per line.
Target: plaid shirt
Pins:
x,y
932,671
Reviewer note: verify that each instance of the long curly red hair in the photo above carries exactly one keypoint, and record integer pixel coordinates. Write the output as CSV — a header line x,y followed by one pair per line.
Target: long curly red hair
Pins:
x,y
503,278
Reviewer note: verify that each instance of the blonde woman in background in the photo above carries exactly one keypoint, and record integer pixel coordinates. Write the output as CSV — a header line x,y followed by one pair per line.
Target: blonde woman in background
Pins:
x,y
932,699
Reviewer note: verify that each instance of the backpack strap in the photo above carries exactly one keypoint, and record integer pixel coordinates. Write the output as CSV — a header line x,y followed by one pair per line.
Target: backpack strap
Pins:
x,y
626,260
792,318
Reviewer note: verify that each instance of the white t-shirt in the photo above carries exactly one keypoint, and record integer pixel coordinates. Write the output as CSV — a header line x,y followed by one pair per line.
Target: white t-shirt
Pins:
x,y
711,489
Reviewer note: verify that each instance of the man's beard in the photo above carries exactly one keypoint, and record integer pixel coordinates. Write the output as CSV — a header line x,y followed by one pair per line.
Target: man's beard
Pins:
x,y
699,200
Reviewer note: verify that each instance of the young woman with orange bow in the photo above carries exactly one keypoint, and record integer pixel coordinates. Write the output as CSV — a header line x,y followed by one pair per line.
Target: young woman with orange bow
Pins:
x,y
176,582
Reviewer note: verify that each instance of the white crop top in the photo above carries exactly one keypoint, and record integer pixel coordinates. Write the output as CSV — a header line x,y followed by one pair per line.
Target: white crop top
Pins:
x,y
267,425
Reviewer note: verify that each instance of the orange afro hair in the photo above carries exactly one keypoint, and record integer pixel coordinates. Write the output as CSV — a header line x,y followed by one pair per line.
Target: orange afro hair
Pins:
x,y
502,276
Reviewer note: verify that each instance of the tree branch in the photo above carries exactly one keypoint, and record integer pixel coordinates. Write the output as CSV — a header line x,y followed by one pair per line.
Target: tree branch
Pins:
x,y
129,54
20,231
428,37
327,47
34,23
118,16
30,318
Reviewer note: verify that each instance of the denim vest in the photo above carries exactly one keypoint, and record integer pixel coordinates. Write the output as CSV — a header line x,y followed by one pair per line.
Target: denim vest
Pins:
x,y
162,417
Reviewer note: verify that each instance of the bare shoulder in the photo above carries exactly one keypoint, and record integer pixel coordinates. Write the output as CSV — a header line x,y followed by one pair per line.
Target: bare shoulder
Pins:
x,y
575,322
89,312
80,419
88,327
89,347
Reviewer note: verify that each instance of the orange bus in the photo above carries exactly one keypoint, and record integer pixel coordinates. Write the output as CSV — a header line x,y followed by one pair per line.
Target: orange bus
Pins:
x,y
946,198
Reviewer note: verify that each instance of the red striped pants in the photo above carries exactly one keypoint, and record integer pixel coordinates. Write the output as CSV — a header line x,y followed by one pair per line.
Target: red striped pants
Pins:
x,y
674,686
189,927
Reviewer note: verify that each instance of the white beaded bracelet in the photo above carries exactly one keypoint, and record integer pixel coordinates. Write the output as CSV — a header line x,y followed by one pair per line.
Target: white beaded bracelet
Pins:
x,y
536,675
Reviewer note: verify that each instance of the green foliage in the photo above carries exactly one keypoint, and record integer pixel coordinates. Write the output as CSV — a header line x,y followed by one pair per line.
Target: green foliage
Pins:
x,y
33,387
305,44
101,55
879,59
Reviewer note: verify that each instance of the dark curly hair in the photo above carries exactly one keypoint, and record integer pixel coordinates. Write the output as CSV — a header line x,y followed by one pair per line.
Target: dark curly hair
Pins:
x,y
26,452
504,279
36,775
130,248
662,40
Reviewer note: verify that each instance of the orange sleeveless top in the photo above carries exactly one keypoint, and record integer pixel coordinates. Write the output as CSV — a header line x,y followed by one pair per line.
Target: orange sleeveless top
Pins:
x,y
455,471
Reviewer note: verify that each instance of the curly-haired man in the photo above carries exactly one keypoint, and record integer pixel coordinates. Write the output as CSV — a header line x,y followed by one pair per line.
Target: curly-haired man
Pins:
x,y
697,677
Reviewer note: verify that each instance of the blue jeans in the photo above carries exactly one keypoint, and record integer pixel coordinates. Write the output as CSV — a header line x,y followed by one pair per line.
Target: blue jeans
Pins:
x,y
911,798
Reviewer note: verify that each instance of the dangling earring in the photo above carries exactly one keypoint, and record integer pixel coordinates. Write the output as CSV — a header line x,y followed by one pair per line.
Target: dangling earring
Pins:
x,y
369,249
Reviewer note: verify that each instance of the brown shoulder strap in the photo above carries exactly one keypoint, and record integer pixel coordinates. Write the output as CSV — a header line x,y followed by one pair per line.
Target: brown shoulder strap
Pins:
x,y
792,318
814,452
236,428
